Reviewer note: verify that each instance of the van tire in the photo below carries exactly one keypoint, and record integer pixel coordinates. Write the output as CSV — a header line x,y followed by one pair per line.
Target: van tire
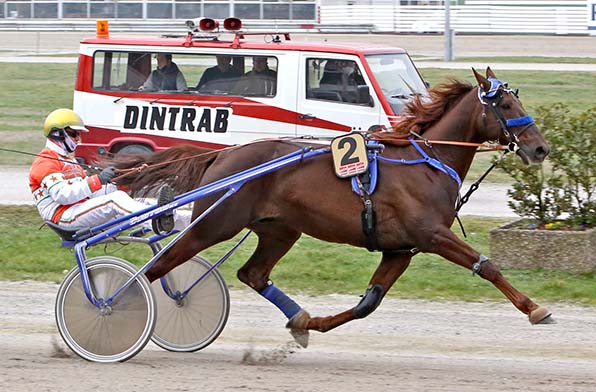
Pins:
x,y
137,149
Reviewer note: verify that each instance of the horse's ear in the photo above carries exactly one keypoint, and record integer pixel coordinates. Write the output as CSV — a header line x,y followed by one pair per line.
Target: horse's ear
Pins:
x,y
490,73
482,81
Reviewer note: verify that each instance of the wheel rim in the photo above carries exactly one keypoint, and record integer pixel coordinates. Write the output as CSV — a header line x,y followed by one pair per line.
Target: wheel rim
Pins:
x,y
107,334
199,318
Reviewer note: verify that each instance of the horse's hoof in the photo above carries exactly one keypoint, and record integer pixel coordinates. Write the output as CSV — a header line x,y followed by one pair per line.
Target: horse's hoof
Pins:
x,y
300,336
548,320
297,325
541,316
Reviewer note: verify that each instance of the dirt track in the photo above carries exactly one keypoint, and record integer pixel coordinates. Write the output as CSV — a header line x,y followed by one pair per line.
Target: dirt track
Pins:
x,y
404,345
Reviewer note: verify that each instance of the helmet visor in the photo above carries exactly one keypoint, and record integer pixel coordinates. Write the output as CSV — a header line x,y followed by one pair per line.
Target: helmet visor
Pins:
x,y
78,128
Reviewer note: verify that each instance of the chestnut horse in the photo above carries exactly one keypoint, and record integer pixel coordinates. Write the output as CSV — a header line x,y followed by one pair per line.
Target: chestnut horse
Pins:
x,y
414,204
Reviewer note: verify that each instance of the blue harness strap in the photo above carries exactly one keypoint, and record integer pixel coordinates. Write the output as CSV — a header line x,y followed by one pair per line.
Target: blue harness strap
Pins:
x,y
373,158
432,162
440,166
520,121
373,174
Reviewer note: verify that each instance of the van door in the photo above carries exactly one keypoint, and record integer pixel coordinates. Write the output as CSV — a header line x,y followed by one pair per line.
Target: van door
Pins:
x,y
335,96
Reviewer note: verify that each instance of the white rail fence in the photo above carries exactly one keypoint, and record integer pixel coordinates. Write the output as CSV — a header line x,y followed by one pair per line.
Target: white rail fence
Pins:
x,y
481,19
385,17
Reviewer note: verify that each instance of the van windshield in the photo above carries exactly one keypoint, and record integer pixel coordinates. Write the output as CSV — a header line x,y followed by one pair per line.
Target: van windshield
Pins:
x,y
398,78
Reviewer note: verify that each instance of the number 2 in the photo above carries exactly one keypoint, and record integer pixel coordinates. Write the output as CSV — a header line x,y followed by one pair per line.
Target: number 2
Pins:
x,y
348,157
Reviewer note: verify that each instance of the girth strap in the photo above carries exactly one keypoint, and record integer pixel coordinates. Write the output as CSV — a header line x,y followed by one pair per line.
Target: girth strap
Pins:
x,y
368,215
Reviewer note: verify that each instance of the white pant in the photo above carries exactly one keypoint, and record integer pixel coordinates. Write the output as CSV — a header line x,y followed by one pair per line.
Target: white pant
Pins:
x,y
109,206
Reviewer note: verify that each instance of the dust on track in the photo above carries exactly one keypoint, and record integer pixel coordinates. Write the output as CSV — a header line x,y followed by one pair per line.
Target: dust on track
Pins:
x,y
405,345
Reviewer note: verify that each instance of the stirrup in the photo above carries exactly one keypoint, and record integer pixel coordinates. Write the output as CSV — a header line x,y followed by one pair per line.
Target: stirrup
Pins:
x,y
165,223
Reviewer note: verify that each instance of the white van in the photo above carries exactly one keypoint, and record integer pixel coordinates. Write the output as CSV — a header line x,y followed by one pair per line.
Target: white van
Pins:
x,y
314,89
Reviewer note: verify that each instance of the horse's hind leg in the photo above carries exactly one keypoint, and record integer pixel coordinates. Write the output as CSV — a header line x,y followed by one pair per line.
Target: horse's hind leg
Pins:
x,y
207,233
183,250
449,246
275,240
392,266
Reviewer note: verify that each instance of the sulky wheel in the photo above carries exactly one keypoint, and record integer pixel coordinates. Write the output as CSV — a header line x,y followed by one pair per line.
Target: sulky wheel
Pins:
x,y
197,320
112,333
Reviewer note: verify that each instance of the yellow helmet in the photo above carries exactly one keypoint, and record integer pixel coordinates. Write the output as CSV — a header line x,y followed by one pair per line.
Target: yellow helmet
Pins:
x,y
63,118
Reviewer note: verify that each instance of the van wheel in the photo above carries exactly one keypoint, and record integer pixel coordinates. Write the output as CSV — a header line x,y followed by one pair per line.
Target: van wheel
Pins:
x,y
137,149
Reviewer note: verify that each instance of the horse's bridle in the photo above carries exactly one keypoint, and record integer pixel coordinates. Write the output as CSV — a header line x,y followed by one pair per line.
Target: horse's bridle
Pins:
x,y
492,98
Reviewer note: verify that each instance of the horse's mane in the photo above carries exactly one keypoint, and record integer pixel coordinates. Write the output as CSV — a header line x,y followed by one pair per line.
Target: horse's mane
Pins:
x,y
423,112
181,167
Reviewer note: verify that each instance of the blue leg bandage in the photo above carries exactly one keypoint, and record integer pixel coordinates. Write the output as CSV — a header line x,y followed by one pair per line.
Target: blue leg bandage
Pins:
x,y
281,300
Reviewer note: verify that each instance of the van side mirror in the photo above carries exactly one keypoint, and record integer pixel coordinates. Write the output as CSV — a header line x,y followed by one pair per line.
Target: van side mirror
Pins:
x,y
363,93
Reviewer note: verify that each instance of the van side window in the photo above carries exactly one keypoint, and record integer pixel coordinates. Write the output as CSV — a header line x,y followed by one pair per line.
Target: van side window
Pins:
x,y
260,80
178,73
166,76
221,77
137,70
120,70
333,80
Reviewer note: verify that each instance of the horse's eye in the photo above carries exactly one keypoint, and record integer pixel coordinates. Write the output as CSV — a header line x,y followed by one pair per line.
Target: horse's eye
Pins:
x,y
506,106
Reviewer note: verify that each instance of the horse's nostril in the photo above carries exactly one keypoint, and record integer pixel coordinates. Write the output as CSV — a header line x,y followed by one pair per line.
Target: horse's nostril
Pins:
x,y
541,152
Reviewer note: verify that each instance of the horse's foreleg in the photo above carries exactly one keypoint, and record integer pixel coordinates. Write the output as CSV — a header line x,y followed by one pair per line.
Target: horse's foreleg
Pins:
x,y
449,246
388,271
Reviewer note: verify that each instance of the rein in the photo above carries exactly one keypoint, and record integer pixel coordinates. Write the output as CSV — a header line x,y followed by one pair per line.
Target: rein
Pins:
x,y
51,158
144,166
488,147
422,140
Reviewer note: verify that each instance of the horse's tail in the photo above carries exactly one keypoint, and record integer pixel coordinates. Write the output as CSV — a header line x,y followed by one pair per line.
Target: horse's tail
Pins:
x,y
181,167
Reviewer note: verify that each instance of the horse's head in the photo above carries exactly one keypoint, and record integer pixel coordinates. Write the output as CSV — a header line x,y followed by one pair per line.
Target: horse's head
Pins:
x,y
504,119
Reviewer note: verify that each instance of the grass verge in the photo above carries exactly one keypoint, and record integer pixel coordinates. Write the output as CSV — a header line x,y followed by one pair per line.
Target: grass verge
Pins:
x,y
312,267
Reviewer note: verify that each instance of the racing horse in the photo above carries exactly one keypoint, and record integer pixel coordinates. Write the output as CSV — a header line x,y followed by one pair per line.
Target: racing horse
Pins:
x,y
414,204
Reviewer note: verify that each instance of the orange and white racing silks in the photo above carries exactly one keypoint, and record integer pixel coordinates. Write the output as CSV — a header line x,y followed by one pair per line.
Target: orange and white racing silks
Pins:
x,y
65,195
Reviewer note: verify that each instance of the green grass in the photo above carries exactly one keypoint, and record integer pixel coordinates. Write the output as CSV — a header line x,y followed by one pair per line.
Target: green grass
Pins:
x,y
311,267
29,92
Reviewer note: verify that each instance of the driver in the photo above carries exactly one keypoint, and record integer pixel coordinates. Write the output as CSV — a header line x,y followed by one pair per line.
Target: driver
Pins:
x,y
67,196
